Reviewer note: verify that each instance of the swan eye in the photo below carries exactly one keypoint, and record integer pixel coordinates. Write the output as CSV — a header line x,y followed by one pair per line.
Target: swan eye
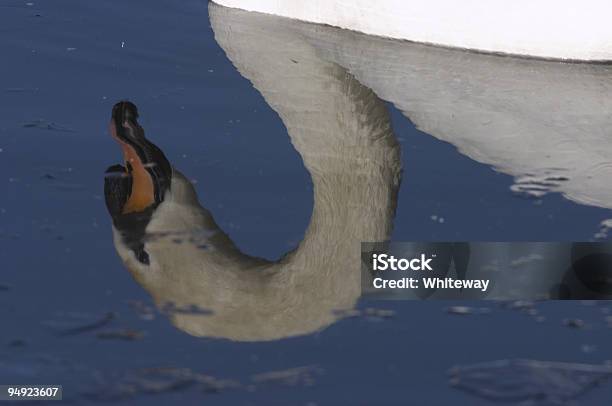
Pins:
x,y
142,256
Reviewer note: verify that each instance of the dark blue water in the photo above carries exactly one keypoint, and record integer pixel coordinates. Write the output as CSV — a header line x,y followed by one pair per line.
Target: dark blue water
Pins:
x,y
65,63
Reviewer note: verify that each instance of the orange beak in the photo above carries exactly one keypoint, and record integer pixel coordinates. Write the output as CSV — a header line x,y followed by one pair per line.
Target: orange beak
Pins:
x,y
142,194
145,163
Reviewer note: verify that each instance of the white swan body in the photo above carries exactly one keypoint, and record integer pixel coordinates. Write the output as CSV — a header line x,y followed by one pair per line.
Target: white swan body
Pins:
x,y
548,124
558,29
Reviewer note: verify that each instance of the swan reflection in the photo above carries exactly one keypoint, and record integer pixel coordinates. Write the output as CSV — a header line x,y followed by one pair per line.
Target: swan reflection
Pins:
x,y
171,244
546,124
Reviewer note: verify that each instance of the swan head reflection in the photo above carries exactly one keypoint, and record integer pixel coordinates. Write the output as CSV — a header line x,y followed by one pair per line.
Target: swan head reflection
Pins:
x,y
148,172
134,190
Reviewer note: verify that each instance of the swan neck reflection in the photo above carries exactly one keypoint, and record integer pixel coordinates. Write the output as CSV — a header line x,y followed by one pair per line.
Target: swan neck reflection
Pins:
x,y
342,132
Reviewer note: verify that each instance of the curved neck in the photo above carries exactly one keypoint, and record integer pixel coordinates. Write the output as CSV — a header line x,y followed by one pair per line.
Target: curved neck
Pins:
x,y
343,133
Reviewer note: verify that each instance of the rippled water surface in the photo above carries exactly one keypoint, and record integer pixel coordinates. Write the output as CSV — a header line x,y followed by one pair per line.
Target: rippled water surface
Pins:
x,y
257,112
